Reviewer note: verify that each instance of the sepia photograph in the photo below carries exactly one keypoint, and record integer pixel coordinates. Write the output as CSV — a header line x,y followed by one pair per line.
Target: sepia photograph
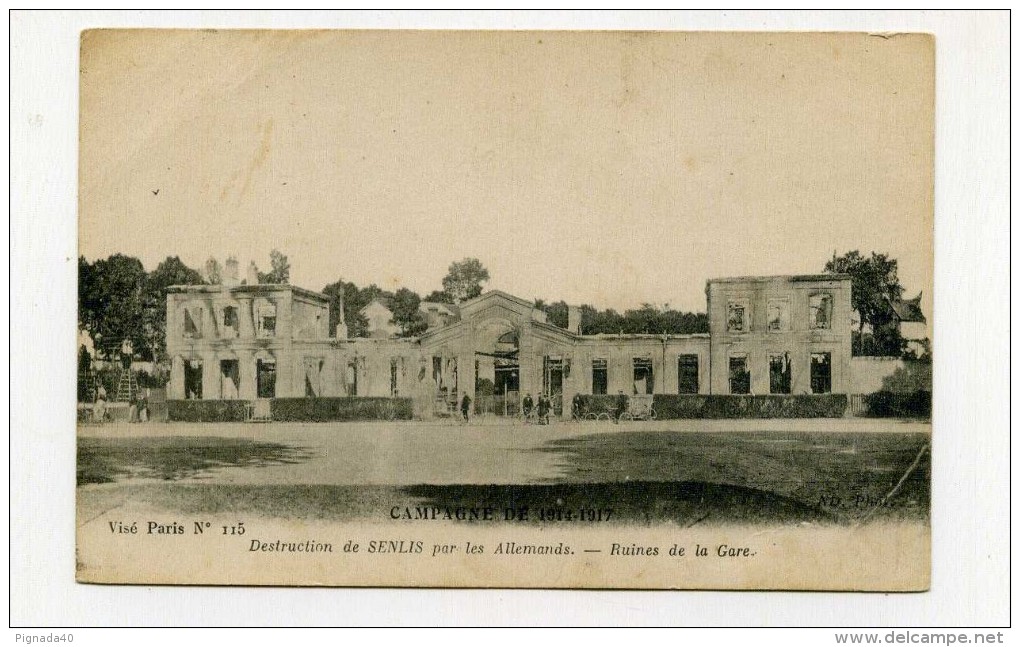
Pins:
x,y
642,310
581,319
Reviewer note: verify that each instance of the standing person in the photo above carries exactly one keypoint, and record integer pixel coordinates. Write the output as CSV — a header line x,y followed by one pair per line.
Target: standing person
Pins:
x,y
621,405
543,409
143,409
527,406
133,409
465,406
99,409
575,407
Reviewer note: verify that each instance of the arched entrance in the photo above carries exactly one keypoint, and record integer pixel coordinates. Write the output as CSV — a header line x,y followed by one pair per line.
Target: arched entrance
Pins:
x,y
497,368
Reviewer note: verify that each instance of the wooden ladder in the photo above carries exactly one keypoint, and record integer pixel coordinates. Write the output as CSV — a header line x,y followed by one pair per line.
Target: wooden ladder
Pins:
x,y
127,387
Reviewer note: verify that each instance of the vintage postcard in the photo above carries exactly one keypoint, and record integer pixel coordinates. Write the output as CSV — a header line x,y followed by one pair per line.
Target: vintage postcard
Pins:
x,y
641,310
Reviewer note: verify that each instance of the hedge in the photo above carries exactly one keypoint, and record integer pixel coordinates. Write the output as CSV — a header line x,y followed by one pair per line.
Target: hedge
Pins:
x,y
666,407
206,410
829,405
595,404
341,409
293,409
886,404
672,406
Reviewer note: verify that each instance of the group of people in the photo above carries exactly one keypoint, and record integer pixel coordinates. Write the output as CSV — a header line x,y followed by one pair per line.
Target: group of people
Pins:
x,y
542,410
138,411
544,407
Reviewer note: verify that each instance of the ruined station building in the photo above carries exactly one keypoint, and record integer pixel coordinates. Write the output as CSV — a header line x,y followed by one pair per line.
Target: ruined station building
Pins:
x,y
768,335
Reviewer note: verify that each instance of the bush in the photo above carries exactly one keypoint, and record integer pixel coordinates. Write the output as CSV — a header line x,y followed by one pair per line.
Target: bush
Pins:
x,y
341,409
912,377
485,388
206,410
829,405
597,404
887,404
108,378
157,380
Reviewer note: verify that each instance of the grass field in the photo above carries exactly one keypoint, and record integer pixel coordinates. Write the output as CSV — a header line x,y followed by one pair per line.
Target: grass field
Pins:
x,y
643,474
841,476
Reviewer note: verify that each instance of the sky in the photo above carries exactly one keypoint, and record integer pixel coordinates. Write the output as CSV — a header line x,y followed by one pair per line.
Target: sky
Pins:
x,y
610,168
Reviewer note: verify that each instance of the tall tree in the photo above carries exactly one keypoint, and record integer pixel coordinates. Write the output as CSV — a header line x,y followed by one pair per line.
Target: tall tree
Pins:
x,y
279,271
110,302
88,309
603,321
558,313
464,279
346,297
438,296
644,320
171,271
372,292
874,286
648,319
407,314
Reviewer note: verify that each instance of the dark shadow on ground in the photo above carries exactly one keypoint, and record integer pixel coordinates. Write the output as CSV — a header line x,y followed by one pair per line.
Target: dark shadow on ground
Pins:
x,y
849,476
561,506
108,460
